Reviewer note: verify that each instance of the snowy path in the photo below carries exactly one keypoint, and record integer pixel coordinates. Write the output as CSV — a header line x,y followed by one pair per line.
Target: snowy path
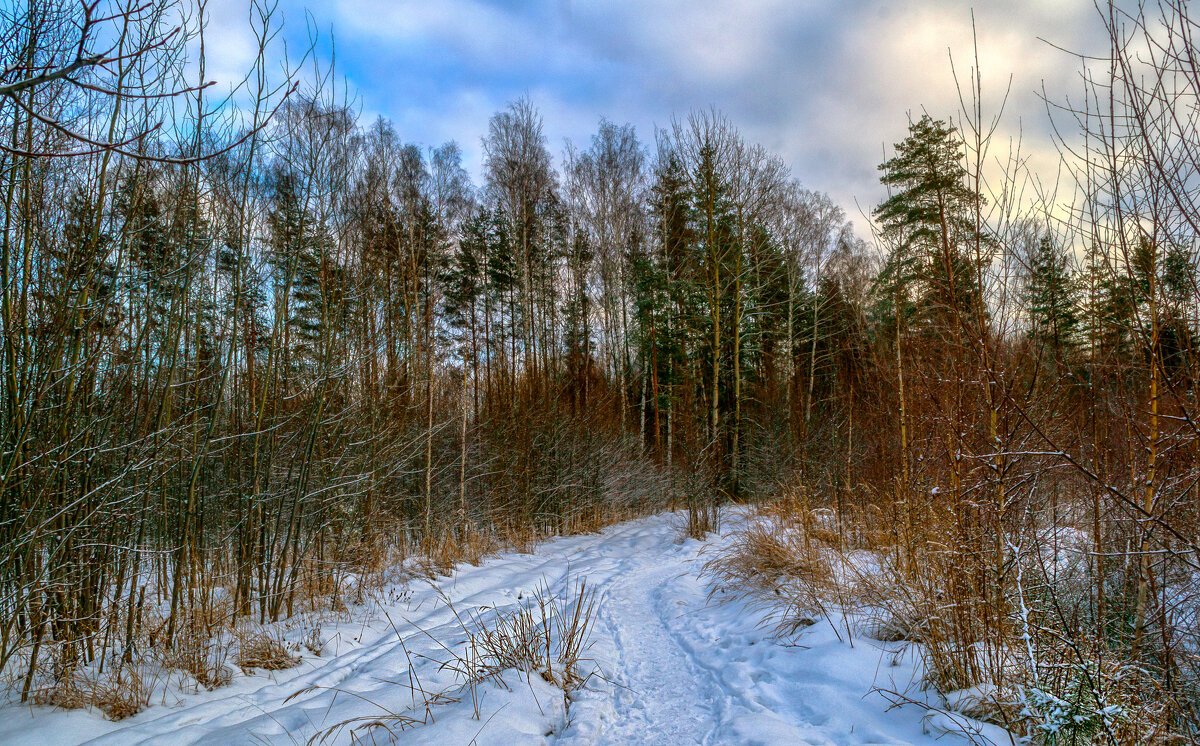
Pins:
x,y
661,695
676,668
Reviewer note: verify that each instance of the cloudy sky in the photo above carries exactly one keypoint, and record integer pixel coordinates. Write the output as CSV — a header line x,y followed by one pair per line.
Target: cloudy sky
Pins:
x,y
826,84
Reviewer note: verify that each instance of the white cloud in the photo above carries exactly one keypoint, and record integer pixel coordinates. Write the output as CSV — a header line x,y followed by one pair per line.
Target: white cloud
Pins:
x,y
827,85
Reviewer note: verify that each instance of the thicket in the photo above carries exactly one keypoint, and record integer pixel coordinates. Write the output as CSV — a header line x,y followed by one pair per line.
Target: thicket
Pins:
x,y
1018,490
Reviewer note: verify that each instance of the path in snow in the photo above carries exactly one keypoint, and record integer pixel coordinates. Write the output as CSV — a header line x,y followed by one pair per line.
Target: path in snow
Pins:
x,y
676,668
659,694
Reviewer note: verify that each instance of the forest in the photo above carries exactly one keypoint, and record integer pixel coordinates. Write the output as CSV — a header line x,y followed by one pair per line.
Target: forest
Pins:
x,y
256,344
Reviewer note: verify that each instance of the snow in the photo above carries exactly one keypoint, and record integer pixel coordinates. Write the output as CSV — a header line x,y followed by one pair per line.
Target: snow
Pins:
x,y
672,666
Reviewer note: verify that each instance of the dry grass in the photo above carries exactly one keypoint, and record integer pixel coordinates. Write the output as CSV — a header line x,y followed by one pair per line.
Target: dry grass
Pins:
x,y
362,729
313,642
547,636
765,556
777,561
202,657
119,692
263,649
210,640
1000,658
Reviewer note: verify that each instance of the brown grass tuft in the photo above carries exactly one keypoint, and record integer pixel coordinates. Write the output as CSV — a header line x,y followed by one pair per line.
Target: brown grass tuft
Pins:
x,y
259,648
779,563
200,656
548,636
118,693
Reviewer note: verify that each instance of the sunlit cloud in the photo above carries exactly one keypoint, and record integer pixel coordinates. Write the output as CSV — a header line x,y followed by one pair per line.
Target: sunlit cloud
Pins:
x,y
828,86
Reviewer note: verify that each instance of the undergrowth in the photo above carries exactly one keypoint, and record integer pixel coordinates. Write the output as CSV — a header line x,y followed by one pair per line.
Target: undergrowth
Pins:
x,y
1020,651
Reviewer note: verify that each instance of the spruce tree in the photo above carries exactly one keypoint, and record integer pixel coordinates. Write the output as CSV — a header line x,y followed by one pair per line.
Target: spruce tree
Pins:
x,y
1109,305
671,209
1177,335
1051,295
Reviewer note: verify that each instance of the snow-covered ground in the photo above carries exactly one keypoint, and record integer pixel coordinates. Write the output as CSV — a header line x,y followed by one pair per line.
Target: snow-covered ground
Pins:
x,y
676,668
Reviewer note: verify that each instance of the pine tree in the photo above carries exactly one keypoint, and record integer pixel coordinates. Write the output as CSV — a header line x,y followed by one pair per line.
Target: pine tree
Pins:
x,y
1179,278
462,276
716,243
928,221
651,320
83,266
503,284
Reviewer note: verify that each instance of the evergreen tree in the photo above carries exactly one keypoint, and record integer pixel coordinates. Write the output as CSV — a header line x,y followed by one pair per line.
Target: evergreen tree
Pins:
x,y
295,258
1177,335
503,284
463,273
928,221
1179,278
671,211
578,337
1117,290
716,245
1051,294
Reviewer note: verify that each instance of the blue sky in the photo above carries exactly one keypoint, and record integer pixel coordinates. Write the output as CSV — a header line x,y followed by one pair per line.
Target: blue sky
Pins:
x,y
827,85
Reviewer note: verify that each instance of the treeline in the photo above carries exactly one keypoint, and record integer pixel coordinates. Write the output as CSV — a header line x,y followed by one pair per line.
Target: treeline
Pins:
x,y
245,358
